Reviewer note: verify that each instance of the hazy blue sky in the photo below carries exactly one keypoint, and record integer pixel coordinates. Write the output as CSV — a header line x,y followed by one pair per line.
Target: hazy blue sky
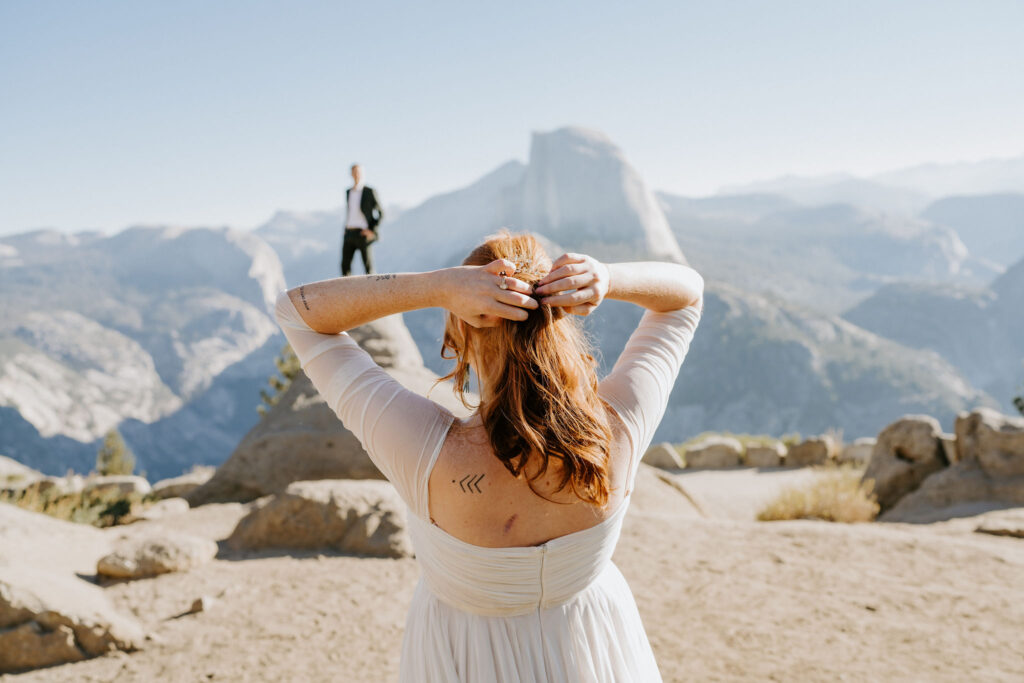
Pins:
x,y
219,112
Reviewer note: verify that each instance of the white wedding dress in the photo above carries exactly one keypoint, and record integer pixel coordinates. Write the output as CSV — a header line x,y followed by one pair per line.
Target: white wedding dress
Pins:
x,y
560,611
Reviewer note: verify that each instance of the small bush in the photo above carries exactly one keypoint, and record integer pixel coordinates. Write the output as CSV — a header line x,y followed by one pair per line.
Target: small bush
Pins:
x,y
102,508
288,366
836,495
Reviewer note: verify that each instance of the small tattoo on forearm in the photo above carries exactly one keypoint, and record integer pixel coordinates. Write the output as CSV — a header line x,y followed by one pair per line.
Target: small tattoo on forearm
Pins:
x,y
302,294
386,276
470,483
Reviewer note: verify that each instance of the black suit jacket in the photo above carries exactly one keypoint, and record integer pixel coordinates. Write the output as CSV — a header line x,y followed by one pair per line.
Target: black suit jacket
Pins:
x,y
370,207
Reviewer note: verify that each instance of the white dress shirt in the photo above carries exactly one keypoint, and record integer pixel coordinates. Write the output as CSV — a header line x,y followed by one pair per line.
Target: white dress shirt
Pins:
x,y
355,219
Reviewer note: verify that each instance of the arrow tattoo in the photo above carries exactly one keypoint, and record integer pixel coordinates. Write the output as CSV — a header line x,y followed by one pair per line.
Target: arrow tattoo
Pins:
x,y
470,483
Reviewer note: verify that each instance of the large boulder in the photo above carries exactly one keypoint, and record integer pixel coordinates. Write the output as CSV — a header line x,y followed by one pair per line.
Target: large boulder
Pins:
x,y
663,456
765,455
990,469
814,450
145,557
715,451
905,453
994,440
350,516
301,439
180,486
48,614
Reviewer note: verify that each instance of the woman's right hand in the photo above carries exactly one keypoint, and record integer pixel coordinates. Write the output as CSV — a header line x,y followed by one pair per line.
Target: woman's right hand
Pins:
x,y
474,294
577,282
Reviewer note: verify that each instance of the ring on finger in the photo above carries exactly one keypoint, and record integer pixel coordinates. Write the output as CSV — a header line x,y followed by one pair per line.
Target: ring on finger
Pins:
x,y
502,284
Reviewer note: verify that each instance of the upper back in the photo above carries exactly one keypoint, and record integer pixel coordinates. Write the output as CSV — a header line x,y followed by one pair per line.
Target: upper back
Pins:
x,y
475,498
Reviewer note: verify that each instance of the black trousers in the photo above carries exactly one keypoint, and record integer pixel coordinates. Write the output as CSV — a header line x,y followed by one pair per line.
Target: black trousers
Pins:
x,y
354,241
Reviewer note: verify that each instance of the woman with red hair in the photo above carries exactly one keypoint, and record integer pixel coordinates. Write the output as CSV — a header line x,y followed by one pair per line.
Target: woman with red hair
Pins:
x,y
515,511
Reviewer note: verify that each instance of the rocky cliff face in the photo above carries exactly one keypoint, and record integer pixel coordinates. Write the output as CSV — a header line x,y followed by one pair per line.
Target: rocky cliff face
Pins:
x,y
774,367
978,331
579,189
128,330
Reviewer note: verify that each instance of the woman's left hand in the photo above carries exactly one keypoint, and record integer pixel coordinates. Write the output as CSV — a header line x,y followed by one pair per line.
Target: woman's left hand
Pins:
x,y
577,282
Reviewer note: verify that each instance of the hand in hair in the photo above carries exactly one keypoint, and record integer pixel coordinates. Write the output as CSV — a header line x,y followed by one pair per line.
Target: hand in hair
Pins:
x,y
577,282
476,295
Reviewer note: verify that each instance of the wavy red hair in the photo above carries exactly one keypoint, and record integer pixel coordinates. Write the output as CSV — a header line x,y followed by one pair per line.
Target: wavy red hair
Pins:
x,y
543,404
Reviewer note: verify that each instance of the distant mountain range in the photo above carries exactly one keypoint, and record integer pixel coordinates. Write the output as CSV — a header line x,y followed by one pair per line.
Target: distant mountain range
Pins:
x,y
149,330
979,331
906,190
845,313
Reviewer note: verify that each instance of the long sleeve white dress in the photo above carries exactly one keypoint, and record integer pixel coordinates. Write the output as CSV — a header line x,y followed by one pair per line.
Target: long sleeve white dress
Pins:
x,y
560,611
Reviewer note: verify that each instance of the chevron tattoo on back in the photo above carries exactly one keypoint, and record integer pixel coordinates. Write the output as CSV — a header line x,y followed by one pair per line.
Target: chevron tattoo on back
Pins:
x,y
470,483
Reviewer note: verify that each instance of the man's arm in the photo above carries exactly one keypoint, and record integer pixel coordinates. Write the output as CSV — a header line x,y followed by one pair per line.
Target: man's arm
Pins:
x,y
376,207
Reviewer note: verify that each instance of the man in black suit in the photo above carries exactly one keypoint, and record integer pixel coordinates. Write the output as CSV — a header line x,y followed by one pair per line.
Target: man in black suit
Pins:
x,y
363,214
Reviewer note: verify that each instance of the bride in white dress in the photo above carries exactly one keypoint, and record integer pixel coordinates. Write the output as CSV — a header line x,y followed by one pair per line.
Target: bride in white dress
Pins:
x,y
514,512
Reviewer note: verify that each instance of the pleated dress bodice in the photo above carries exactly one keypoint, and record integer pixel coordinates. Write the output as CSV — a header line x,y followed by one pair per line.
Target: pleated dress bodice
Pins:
x,y
511,581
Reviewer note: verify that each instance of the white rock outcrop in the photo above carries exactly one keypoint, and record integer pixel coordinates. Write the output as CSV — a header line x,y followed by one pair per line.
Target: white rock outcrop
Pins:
x,y
48,614
359,517
765,455
663,456
990,469
814,450
715,451
146,557
182,485
905,454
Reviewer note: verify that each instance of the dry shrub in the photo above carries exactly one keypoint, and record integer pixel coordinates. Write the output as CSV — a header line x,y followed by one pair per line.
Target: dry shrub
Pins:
x,y
100,508
836,495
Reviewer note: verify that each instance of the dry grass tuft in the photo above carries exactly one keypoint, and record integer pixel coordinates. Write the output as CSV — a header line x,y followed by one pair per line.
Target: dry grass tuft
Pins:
x,y
836,495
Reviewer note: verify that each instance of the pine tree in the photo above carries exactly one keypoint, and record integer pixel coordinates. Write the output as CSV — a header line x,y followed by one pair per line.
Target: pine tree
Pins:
x,y
288,366
114,456
1018,401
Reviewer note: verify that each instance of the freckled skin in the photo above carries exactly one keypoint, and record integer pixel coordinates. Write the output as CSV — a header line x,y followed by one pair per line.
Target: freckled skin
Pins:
x,y
510,522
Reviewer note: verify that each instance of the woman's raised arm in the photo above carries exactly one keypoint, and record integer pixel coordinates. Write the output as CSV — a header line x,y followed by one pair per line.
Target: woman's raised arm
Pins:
x,y
580,283
473,293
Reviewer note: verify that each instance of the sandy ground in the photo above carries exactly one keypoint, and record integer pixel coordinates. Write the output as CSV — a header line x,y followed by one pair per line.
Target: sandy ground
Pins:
x,y
722,600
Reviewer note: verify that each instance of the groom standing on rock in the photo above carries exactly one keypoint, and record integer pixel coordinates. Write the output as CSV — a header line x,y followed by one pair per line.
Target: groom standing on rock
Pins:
x,y
363,214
